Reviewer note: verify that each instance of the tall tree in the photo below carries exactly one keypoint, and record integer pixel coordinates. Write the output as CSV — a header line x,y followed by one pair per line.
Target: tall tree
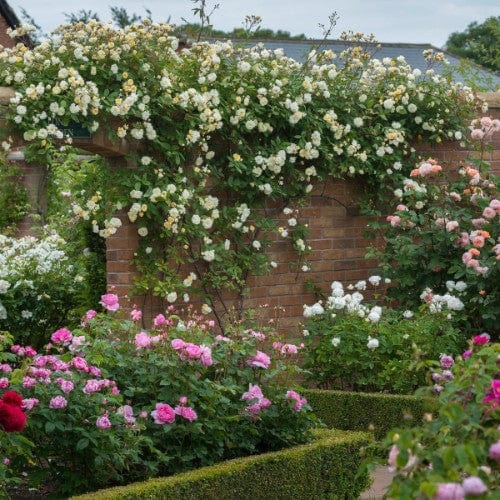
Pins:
x,y
479,43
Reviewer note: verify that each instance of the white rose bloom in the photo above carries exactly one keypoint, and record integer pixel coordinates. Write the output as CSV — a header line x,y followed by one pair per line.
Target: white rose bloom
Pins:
x,y
335,341
206,309
143,231
256,244
372,343
196,219
408,314
172,297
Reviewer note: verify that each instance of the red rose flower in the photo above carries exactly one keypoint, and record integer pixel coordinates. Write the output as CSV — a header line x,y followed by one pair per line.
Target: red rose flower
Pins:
x,y
12,398
12,418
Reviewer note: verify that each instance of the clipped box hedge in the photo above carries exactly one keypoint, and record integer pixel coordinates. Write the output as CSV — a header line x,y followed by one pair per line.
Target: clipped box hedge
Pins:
x,y
325,468
377,413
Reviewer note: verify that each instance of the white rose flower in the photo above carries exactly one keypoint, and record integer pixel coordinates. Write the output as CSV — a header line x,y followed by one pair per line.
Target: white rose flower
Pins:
x,y
143,231
372,343
172,297
335,341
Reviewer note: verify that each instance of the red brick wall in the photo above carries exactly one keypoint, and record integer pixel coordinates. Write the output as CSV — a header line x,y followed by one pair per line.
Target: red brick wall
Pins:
x,y
5,39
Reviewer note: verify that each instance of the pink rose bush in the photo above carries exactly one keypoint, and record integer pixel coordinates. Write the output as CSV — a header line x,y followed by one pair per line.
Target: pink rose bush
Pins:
x,y
455,454
133,397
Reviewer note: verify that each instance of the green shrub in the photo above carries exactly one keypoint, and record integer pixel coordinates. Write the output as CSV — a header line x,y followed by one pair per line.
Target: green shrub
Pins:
x,y
358,411
325,468
14,203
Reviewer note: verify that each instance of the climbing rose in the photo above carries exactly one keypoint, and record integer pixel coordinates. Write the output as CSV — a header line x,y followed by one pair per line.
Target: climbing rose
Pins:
x,y
61,336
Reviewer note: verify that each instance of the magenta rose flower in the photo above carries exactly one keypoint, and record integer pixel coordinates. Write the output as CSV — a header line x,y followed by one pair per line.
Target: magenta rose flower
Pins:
x,y
61,336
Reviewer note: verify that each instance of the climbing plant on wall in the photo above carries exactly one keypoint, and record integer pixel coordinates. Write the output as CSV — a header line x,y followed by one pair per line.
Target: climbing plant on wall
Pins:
x,y
216,130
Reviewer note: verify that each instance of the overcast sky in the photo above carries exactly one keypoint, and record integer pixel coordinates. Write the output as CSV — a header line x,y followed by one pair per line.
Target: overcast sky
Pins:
x,y
409,21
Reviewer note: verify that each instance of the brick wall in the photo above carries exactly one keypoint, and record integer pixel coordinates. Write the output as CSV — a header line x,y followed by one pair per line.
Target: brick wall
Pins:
x,y
5,39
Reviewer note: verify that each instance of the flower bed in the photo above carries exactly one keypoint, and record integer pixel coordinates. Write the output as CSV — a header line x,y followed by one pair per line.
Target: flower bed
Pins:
x,y
326,467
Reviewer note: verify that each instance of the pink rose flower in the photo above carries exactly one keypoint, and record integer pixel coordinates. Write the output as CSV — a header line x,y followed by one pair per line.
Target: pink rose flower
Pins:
x,y
142,340
450,491
206,356
474,486
493,395
136,315
163,414
90,314
160,320
58,402
80,364
260,360
299,401
103,422
110,302
128,413
178,344
4,383
29,403
467,354
494,451
186,412
446,361
61,336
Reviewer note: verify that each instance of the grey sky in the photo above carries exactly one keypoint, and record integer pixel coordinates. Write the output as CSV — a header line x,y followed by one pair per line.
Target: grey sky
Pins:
x,y
410,21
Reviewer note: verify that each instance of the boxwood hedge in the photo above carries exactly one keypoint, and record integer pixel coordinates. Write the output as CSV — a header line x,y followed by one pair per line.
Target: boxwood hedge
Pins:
x,y
325,468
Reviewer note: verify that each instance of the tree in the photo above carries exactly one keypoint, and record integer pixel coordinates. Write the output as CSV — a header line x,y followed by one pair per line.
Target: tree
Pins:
x,y
82,15
479,43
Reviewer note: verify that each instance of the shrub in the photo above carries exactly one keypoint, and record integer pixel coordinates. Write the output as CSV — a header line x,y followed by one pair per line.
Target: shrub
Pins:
x,y
111,402
39,286
377,413
353,346
457,450
326,468
445,232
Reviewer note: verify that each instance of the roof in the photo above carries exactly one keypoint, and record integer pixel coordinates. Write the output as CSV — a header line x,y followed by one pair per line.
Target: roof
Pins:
x,y
8,14
412,52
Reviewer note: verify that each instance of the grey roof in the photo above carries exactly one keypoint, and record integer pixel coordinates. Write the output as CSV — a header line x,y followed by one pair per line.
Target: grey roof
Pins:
x,y
412,52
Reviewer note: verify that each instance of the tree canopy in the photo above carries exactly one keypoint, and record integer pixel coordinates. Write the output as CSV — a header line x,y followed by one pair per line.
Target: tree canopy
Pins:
x,y
479,43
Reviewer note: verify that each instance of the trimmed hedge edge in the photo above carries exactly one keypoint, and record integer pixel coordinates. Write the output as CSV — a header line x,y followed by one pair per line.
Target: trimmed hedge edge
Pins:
x,y
373,412
325,468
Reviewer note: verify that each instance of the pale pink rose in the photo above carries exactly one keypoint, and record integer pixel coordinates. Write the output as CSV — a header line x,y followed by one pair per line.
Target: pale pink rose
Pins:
x,y
29,403
394,220
289,349
474,486
494,451
206,356
260,360
489,213
464,239
178,344
450,491
451,225
401,208
103,422
477,134
192,351
110,302
135,314
254,392
4,383
142,340
58,402
163,414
